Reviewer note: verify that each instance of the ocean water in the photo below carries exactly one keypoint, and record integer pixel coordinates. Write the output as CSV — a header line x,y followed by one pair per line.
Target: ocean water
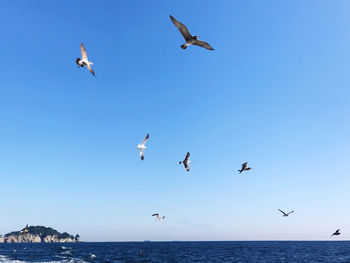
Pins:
x,y
264,251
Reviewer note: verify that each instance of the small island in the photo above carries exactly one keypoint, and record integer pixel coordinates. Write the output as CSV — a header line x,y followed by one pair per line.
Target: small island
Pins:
x,y
38,234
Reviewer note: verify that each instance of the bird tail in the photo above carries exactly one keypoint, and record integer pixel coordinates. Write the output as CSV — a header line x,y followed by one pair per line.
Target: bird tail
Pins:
x,y
239,171
183,46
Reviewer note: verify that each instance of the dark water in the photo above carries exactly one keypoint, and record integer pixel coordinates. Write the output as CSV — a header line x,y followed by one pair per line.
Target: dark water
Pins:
x,y
288,251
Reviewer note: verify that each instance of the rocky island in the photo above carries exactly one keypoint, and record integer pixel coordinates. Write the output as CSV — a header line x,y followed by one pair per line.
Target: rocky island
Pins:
x,y
38,234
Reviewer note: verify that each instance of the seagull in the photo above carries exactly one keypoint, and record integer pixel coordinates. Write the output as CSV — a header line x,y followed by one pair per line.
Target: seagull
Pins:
x,y
186,162
285,214
244,167
25,230
190,40
84,60
141,146
158,217
336,233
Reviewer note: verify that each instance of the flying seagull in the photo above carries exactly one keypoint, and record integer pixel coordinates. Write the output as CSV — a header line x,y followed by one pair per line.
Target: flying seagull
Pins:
x,y
285,214
186,162
25,230
158,217
244,167
336,233
190,40
84,60
141,146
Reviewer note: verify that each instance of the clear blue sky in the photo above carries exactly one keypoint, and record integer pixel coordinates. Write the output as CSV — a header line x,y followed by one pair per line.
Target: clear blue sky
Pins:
x,y
275,93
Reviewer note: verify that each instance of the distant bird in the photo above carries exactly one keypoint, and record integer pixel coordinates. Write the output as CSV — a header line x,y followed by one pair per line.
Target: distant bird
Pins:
x,y
141,146
286,214
84,60
159,218
244,167
336,233
190,40
25,230
186,162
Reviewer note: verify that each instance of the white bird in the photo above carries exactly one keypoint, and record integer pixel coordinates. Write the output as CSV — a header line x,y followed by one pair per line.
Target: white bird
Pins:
x,y
244,167
336,233
186,162
285,214
141,146
190,40
84,60
159,218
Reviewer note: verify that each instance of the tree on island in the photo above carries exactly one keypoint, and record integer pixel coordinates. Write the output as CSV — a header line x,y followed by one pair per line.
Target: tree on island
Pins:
x,y
42,232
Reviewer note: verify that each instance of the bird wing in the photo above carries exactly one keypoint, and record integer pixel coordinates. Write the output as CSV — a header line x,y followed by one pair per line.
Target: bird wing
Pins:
x,y
290,212
145,139
244,165
141,154
187,157
83,51
182,28
157,215
335,232
282,212
90,69
204,44
187,167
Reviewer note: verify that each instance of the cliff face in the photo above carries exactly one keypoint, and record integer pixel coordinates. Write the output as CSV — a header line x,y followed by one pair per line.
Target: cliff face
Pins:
x,y
38,234
23,238
32,238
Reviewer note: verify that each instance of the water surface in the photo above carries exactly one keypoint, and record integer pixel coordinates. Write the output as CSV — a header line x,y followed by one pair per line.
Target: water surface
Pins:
x,y
240,251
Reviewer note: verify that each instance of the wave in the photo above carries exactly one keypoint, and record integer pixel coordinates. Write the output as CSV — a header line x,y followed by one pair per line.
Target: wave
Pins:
x,y
66,252
4,259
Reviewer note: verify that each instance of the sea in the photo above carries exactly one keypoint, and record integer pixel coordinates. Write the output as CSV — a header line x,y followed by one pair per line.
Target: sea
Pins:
x,y
233,251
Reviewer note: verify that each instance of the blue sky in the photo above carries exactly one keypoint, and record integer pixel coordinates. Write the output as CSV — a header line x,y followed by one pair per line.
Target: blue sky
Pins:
x,y
275,93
